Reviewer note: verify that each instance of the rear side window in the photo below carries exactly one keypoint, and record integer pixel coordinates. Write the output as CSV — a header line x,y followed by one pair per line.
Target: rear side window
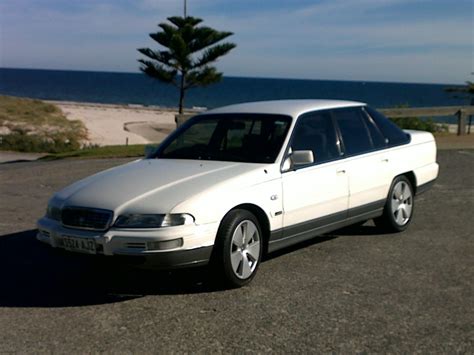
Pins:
x,y
390,130
378,140
354,132
315,131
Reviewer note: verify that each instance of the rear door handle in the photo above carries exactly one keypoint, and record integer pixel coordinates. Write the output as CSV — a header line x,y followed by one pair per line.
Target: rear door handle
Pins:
x,y
384,160
340,172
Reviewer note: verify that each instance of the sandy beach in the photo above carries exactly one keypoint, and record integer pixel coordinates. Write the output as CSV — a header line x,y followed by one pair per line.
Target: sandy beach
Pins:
x,y
114,124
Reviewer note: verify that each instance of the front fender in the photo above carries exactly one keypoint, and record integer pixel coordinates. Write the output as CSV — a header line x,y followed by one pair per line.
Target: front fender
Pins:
x,y
211,207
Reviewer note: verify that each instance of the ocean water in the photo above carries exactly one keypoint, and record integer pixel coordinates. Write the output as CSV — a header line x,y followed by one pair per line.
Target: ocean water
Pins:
x,y
136,88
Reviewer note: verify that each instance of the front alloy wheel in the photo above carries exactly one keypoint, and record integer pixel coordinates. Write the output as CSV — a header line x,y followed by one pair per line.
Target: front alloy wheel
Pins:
x,y
238,248
245,249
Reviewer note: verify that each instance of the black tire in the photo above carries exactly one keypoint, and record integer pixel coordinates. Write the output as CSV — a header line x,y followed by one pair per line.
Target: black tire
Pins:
x,y
399,207
226,251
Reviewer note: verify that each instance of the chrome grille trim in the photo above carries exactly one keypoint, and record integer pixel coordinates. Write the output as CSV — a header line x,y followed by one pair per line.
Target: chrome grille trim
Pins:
x,y
86,218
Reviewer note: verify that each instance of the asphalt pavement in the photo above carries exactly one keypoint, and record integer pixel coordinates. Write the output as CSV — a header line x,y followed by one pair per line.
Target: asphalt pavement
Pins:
x,y
355,290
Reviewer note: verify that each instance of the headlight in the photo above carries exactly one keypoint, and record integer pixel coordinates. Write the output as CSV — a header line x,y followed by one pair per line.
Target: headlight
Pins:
x,y
53,212
153,220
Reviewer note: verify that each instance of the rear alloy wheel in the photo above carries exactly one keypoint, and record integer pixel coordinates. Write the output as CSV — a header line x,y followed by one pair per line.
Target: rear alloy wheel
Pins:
x,y
399,207
238,248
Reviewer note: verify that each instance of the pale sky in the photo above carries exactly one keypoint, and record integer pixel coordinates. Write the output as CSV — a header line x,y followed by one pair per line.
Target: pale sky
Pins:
x,y
428,41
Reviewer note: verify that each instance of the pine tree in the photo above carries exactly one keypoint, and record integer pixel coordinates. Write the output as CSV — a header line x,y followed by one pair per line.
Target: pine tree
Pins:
x,y
190,49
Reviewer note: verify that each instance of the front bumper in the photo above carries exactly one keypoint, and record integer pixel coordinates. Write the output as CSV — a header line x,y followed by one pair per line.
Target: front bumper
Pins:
x,y
135,246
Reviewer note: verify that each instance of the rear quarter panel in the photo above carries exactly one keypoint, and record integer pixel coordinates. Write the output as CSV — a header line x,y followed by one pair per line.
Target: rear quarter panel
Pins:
x,y
419,157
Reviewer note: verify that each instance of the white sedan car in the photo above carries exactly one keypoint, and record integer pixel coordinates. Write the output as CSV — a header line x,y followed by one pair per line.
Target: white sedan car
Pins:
x,y
241,180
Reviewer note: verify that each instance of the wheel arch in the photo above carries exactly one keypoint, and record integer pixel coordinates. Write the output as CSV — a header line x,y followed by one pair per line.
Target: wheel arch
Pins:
x,y
387,220
261,216
410,175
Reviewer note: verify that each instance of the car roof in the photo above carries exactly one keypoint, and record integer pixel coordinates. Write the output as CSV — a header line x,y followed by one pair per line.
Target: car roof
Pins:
x,y
292,108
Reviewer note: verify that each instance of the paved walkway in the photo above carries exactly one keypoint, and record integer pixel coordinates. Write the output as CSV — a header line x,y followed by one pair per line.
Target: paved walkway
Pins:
x,y
8,157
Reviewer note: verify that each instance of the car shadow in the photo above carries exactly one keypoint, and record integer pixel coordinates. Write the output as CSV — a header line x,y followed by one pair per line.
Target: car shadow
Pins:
x,y
359,230
35,275
350,231
298,246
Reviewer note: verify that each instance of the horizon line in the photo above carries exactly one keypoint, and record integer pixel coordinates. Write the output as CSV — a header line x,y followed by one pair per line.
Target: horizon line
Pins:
x,y
240,77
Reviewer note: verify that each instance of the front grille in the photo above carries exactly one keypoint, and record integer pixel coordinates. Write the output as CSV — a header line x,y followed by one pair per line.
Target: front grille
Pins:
x,y
86,218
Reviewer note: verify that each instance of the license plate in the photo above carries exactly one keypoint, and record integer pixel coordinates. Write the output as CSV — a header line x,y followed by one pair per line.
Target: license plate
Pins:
x,y
81,245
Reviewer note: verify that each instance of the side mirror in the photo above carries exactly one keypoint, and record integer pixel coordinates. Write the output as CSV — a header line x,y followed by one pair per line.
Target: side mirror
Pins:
x,y
298,158
302,157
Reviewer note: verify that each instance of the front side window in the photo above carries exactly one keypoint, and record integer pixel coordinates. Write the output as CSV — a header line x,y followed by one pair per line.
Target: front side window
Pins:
x,y
354,132
250,138
315,131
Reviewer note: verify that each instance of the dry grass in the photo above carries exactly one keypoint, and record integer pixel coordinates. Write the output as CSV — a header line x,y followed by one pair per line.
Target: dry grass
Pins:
x,y
35,126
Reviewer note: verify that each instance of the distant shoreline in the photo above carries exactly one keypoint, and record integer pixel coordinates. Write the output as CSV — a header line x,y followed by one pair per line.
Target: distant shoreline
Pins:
x,y
122,106
120,124
115,124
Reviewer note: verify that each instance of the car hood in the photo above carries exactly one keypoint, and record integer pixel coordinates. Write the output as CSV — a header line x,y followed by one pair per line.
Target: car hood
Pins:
x,y
155,185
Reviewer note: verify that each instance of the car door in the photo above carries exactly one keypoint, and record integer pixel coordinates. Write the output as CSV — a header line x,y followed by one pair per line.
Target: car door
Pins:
x,y
366,161
315,195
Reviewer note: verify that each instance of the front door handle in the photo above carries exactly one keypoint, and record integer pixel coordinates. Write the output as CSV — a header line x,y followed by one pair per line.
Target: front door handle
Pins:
x,y
340,172
384,160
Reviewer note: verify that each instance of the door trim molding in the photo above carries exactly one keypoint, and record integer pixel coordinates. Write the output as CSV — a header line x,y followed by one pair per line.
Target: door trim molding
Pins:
x,y
284,237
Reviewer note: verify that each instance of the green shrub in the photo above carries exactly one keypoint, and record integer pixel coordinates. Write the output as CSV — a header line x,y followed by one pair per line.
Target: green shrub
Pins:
x,y
55,143
419,124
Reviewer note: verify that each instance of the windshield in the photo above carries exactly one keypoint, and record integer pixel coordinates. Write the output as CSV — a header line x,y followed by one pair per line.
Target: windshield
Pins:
x,y
250,138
